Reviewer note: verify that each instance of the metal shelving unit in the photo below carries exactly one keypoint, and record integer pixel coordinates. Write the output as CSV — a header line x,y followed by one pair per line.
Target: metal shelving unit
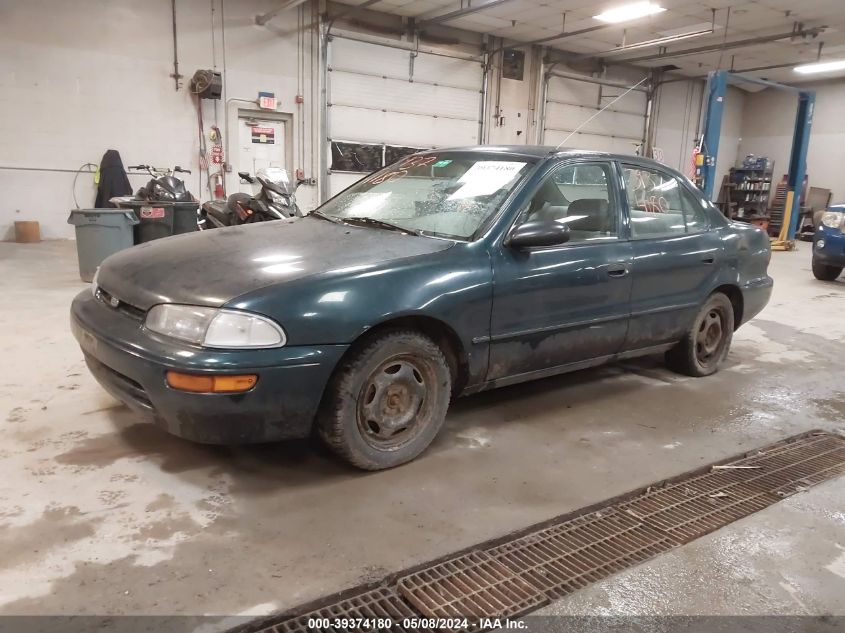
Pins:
x,y
745,194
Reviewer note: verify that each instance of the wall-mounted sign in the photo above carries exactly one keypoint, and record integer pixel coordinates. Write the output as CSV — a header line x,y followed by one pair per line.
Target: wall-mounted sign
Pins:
x,y
267,100
264,135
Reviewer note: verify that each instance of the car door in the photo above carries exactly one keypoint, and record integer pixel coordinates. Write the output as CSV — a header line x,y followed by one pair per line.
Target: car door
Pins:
x,y
556,306
675,255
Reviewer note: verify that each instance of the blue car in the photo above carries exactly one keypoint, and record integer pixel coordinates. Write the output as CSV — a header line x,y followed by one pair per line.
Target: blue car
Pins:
x,y
447,273
829,244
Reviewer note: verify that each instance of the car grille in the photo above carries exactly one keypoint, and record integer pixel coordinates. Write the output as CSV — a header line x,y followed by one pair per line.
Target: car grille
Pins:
x,y
121,306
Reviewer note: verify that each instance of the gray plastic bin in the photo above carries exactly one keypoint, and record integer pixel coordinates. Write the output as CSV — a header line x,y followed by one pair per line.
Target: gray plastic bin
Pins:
x,y
100,233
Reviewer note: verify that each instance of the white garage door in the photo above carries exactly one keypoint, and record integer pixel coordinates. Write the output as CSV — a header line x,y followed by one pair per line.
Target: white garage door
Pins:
x,y
570,102
380,95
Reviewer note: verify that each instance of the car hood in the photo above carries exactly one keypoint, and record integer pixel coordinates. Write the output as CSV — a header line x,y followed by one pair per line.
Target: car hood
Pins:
x,y
213,267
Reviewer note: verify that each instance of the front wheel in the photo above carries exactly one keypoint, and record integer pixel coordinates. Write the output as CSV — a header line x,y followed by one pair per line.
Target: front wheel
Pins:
x,y
387,402
823,272
705,345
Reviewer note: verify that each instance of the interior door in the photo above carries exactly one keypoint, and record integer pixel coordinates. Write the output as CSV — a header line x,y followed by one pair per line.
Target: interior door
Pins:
x,y
675,256
261,144
566,304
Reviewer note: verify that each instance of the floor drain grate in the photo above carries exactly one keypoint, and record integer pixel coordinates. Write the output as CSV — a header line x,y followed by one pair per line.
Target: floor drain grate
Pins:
x,y
512,576
693,507
379,603
472,586
564,558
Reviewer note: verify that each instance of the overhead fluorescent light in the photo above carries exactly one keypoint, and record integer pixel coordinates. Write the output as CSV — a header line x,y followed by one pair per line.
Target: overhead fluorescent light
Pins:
x,y
698,26
820,67
659,41
629,12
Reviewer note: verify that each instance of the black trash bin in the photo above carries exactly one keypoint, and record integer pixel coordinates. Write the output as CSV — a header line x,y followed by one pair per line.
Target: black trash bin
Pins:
x,y
185,217
155,219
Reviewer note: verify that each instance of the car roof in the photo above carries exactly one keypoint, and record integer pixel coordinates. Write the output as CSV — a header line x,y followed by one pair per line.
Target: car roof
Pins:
x,y
546,151
543,152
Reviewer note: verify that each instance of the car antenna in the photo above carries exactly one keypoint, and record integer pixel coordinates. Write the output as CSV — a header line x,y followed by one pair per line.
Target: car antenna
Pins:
x,y
575,131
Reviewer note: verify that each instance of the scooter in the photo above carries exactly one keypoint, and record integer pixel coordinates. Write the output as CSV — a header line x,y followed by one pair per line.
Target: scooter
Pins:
x,y
274,201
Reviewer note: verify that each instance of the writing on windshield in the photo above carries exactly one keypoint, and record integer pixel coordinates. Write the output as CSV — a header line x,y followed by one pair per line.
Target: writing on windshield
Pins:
x,y
445,194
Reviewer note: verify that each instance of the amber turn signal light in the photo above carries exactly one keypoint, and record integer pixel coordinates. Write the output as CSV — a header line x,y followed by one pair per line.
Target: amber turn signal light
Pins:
x,y
199,383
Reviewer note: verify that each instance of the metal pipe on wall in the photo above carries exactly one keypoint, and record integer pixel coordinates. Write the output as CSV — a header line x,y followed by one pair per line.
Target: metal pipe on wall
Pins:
x,y
482,111
175,74
540,134
325,95
315,44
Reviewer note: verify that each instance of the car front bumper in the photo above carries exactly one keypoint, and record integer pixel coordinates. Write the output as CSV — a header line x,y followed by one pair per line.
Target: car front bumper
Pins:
x,y
833,253
130,363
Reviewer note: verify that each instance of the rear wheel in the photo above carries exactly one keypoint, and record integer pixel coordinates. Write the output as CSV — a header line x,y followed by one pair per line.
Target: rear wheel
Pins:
x,y
823,272
706,343
387,402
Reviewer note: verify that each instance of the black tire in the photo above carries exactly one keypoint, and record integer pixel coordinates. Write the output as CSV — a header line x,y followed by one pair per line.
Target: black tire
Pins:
x,y
705,345
388,400
823,272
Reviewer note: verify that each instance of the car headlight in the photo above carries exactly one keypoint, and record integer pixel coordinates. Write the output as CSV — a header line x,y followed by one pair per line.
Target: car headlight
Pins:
x,y
833,219
214,327
94,282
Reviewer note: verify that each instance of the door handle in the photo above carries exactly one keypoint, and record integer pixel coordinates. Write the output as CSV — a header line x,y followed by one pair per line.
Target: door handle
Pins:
x,y
708,260
617,270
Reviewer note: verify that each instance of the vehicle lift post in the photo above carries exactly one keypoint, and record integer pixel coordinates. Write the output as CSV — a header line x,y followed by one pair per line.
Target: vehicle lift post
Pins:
x,y
715,92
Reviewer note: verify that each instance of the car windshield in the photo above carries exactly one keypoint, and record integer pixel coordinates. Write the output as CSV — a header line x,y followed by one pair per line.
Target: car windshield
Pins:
x,y
448,194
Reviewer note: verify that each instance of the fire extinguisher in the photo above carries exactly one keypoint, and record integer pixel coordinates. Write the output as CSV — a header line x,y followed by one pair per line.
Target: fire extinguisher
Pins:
x,y
217,158
219,188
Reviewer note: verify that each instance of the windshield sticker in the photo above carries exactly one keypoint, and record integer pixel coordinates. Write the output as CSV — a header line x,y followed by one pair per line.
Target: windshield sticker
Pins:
x,y
486,177
401,169
442,163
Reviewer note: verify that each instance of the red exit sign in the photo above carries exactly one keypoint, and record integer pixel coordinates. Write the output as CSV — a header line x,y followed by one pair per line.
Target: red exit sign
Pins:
x,y
267,100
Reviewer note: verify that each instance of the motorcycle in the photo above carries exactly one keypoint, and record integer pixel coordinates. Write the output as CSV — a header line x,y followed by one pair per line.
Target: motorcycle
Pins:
x,y
274,201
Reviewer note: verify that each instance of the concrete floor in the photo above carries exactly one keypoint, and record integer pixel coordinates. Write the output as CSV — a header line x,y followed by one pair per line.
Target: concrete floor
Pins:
x,y
101,514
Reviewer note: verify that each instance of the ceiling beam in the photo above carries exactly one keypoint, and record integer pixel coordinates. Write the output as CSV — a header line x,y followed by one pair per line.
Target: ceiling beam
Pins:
x,y
459,13
564,34
723,46
264,18
354,9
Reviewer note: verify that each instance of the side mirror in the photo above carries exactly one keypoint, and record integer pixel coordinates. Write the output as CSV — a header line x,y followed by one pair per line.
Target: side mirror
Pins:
x,y
244,175
538,233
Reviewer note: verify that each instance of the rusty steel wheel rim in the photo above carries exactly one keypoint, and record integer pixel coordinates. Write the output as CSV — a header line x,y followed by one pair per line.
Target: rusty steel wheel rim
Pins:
x,y
710,336
394,403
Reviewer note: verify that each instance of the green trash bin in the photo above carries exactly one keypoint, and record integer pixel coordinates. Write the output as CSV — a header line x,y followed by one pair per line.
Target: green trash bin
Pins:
x,y
155,219
100,233
185,217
